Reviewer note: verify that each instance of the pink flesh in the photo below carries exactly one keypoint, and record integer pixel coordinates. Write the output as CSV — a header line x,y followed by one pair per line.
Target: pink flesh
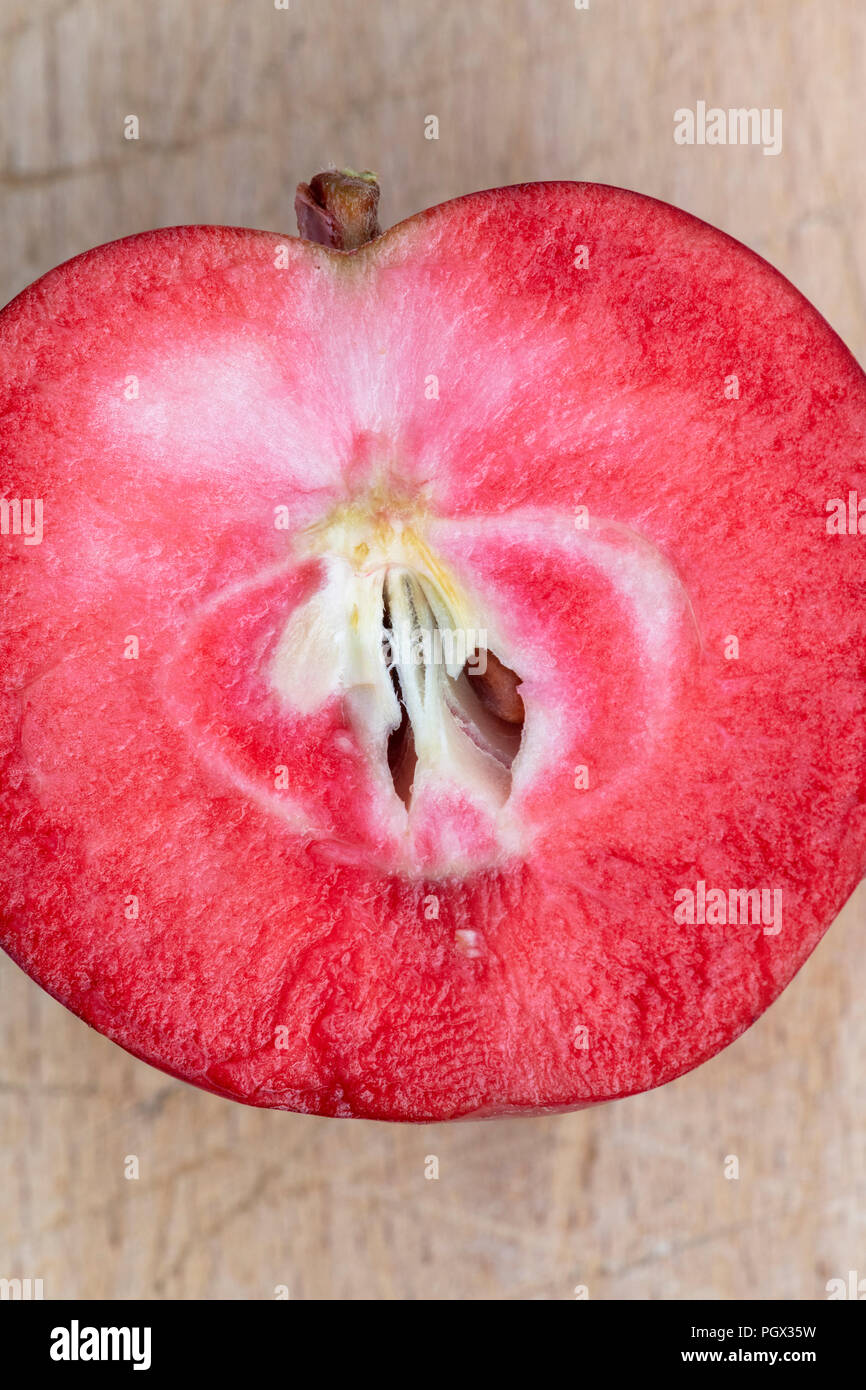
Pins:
x,y
276,958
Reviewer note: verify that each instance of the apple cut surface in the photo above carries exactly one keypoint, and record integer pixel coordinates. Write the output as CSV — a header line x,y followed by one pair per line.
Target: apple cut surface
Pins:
x,y
436,689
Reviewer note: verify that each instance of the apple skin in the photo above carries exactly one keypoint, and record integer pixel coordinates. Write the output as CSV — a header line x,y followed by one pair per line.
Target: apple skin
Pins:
x,y
224,886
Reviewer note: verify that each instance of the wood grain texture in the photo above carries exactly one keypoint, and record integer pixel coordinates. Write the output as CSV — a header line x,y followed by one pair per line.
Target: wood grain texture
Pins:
x,y
237,101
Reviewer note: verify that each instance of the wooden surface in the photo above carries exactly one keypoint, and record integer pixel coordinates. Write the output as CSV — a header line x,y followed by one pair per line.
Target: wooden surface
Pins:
x,y
237,101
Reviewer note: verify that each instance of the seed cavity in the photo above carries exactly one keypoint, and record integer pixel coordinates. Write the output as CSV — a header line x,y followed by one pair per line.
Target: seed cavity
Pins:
x,y
498,737
393,633
496,688
447,683
402,755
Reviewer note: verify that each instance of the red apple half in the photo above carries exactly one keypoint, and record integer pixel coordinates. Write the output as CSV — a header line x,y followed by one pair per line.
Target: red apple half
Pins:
x,y
433,674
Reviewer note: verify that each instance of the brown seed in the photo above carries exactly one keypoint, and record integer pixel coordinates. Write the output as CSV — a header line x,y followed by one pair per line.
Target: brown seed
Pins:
x,y
497,690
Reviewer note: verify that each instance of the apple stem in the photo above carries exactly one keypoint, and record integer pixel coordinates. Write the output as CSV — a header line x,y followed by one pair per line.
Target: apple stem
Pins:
x,y
339,208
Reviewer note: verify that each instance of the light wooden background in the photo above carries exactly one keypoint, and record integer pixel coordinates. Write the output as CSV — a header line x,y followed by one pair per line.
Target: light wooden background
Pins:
x,y
237,101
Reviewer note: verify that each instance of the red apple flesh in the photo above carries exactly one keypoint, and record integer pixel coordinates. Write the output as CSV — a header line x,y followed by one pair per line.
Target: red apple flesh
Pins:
x,y
588,436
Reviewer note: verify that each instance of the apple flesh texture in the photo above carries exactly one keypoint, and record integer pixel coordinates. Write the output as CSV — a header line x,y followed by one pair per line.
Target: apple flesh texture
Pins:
x,y
302,940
